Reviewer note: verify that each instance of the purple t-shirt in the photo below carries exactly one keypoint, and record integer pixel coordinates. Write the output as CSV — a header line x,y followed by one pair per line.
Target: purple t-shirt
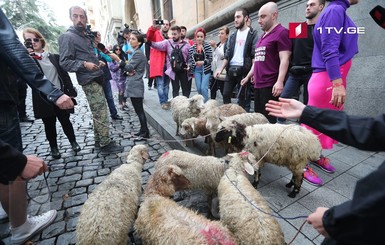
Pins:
x,y
266,63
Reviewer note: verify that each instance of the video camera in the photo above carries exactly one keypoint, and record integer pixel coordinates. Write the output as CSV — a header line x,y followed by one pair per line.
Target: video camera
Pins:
x,y
89,33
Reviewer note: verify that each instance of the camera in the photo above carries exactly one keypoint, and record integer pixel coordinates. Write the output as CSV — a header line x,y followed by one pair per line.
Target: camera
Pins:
x,y
89,33
159,22
28,44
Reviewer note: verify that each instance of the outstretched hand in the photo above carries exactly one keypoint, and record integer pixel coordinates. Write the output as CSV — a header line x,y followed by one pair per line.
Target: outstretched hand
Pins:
x,y
285,108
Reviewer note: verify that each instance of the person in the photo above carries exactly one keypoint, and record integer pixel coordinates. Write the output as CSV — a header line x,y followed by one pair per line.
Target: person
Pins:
x,y
77,55
331,62
165,29
300,63
15,167
200,58
272,53
183,32
49,64
105,59
218,57
357,221
238,57
22,108
178,79
159,66
135,85
119,76
151,80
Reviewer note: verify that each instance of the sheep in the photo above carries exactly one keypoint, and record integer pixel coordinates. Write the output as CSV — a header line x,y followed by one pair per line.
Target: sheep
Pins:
x,y
183,108
214,117
204,172
285,145
162,221
249,225
111,208
227,127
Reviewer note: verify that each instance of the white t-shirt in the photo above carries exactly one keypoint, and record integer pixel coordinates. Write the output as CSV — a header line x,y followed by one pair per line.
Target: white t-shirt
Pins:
x,y
239,48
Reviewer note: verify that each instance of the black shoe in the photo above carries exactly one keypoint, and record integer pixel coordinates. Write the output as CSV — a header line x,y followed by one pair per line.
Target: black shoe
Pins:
x,y
117,117
111,148
143,136
137,134
26,119
55,152
125,108
75,146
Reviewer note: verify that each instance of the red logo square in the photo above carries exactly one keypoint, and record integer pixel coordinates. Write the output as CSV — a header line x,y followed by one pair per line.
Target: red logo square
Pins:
x,y
297,30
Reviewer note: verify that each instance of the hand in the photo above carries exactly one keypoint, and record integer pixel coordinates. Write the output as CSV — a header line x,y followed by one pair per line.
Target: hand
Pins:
x,y
114,57
101,64
217,73
315,219
35,166
91,66
244,81
213,44
338,93
64,102
199,63
131,73
148,62
277,89
285,108
129,52
252,80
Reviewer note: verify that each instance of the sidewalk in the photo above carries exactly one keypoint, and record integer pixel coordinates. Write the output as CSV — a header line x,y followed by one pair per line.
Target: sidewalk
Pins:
x,y
75,176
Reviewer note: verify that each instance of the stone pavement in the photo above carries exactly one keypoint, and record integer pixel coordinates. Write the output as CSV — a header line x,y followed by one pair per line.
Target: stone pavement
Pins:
x,y
74,176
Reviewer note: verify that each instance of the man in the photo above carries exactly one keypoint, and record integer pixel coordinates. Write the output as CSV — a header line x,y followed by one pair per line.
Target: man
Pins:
x,y
272,55
239,56
183,31
77,55
107,77
165,29
15,167
300,65
158,66
178,79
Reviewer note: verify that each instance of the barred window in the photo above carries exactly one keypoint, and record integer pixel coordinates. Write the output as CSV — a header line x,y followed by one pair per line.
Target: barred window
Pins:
x,y
167,10
156,10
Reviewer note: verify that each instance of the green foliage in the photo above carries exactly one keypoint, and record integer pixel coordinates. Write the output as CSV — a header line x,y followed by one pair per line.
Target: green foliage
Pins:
x,y
26,13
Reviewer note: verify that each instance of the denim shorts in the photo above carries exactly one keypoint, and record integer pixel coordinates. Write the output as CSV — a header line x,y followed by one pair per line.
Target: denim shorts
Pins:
x,y
10,126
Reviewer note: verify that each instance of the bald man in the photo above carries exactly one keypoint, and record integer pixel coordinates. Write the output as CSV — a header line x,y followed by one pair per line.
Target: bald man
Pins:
x,y
272,54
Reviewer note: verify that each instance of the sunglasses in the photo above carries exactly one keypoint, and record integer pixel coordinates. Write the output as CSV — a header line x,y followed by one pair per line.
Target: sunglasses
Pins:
x,y
35,40
118,49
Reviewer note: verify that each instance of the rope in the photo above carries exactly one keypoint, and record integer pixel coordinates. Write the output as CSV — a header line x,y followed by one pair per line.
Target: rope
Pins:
x,y
296,234
49,193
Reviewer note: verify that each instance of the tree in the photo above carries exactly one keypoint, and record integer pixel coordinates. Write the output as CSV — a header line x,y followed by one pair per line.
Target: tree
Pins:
x,y
26,13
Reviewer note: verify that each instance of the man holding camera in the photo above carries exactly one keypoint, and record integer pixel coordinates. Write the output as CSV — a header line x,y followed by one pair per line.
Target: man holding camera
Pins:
x,y
77,55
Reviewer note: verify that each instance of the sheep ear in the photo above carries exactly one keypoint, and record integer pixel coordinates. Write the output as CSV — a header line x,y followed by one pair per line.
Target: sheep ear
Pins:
x,y
193,127
232,154
252,160
248,168
145,155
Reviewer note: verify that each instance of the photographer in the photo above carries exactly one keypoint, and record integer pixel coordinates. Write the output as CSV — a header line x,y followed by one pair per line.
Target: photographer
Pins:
x,y
77,55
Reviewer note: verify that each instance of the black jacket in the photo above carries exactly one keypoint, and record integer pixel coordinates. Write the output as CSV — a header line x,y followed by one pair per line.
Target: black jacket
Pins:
x,y
361,220
43,109
248,52
14,59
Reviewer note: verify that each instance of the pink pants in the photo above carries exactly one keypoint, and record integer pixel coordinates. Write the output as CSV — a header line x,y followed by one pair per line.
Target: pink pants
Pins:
x,y
320,93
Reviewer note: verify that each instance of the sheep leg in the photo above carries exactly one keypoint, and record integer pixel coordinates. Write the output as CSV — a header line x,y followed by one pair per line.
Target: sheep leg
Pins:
x,y
297,181
257,177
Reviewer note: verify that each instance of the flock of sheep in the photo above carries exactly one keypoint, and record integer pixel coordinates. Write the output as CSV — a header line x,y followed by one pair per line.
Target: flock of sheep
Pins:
x,y
229,182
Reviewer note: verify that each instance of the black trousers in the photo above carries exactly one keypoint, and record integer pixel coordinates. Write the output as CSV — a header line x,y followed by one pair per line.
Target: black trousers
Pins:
x,y
181,80
215,84
228,88
261,97
137,103
50,126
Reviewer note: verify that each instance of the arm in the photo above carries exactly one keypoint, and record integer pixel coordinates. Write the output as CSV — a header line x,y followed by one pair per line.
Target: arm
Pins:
x,y
67,55
114,66
208,54
249,75
134,62
284,57
161,46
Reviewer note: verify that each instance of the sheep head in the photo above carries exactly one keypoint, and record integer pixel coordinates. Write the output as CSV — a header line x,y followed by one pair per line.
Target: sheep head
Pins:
x,y
166,181
138,153
243,162
196,103
232,132
188,128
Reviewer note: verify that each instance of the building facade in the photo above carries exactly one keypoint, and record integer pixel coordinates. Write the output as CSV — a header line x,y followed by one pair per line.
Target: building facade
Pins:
x,y
366,80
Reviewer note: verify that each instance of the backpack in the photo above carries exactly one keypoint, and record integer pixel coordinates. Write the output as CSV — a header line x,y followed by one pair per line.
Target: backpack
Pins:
x,y
178,64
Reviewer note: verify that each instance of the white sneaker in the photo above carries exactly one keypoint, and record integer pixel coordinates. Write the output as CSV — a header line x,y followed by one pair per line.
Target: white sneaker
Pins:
x,y
3,214
32,226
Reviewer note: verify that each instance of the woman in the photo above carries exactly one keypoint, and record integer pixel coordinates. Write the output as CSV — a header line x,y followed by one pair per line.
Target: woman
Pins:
x,y
200,57
218,57
135,69
119,76
331,62
49,64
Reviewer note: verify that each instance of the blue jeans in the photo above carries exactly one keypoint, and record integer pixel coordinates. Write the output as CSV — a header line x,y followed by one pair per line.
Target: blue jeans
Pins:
x,y
162,85
10,127
110,99
291,89
202,82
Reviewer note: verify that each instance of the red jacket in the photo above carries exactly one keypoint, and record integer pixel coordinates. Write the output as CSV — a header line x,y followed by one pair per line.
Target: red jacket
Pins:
x,y
157,58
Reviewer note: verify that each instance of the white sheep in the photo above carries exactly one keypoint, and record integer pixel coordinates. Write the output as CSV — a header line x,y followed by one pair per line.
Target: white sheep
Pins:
x,y
111,208
227,127
183,108
285,145
214,117
162,221
248,219
204,172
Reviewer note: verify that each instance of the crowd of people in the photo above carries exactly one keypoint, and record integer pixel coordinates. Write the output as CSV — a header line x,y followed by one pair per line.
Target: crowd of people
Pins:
x,y
269,66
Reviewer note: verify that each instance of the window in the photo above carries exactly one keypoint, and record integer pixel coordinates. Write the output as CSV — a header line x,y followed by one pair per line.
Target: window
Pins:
x,y
167,8
156,10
